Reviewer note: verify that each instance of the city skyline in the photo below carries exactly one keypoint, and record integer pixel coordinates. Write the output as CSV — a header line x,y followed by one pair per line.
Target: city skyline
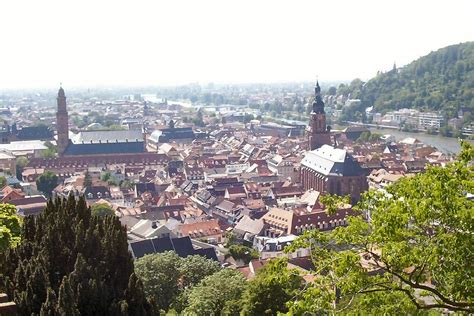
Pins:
x,y
119,44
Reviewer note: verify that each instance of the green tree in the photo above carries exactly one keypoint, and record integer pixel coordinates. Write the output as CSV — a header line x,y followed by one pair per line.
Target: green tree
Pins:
x,y
135,302
446,130
47,182
368,137
102,209
414,255
248,118
10,227
160,276
50,152
198,120
166,276
66,301
83,259
241,252
106,176
219,293
21,163
195,268
126,184
48,308
3,182
271,289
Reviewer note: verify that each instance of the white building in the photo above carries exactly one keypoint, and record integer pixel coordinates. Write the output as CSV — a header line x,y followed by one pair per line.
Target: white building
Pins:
x,y
281,167
428,120
29,148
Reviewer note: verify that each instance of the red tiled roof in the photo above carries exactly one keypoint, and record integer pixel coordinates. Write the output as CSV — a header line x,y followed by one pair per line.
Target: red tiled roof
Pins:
x,y
201,229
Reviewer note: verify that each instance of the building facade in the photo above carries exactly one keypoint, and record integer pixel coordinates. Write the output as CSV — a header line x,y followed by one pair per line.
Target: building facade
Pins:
x,y
95,142
431,120
327,169
334,171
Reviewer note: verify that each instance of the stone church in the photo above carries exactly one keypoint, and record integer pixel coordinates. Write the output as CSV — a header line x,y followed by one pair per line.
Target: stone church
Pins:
x,y
86,143
325,168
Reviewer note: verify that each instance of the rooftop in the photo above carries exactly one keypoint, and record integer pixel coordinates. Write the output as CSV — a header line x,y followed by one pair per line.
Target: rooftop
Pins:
x,y
99,137
328,160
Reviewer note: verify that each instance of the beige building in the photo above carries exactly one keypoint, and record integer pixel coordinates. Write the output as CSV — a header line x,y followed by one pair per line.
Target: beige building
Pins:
x,y
284,168
7,162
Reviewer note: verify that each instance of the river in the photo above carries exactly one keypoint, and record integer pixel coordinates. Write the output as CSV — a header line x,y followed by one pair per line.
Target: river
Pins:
x,y
447,145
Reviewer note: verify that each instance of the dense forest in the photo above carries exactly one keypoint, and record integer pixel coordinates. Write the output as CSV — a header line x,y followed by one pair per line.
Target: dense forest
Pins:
x,y
440,81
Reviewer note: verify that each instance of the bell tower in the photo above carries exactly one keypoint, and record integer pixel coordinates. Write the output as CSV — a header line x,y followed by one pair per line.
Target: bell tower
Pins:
x,y
62,122
319,133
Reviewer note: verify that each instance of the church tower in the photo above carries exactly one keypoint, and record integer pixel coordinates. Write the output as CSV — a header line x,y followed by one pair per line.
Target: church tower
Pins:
x,y
62,122
319,133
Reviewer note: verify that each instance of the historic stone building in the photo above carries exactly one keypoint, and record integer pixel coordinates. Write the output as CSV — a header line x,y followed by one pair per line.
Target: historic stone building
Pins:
x,y
87,143
319,132
95,148
327,169
62,123
332,170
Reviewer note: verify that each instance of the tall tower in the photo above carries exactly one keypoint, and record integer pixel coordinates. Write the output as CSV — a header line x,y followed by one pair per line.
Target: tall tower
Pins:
x,y
62,122
319,132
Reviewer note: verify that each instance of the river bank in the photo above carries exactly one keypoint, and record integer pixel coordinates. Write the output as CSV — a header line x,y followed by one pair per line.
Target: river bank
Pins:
x,y
447,145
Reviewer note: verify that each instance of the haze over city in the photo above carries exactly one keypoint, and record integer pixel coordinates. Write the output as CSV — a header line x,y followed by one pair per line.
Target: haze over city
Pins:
x,y
90,43
249,158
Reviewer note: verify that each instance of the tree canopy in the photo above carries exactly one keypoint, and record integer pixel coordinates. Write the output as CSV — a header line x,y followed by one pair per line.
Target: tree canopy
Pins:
x,y
242,252
440,81
51,152
368,137
273,286
47,182
21,163
3,182
10,227
72,263
218,293
160,276
413,255
166,276
102,209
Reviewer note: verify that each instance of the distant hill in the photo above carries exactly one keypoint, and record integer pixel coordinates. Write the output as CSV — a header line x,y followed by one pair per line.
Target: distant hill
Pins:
x,y
442,80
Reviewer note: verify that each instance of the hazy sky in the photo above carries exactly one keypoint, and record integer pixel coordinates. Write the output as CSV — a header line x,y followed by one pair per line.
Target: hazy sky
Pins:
x,y
138,42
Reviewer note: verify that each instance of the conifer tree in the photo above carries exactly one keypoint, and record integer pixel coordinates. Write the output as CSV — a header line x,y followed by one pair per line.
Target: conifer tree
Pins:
x,y
66,301
70,262
49,306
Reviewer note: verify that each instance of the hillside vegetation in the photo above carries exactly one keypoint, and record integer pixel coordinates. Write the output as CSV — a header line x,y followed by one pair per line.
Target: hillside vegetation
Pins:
x,y
440,81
